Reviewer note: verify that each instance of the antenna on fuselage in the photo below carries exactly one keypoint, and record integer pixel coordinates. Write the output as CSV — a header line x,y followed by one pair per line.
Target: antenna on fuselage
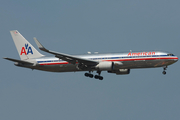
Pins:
x,y
89,52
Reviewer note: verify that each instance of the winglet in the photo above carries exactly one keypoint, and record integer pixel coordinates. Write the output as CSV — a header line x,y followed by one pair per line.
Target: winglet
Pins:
x,y
40,46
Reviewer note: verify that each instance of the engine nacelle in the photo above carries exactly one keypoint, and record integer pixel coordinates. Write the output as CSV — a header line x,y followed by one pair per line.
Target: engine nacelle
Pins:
x,y
120,71
109,66
104,66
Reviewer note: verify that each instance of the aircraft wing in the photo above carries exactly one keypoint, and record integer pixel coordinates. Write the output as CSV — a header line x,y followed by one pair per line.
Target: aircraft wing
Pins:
x,y
69,58
19,61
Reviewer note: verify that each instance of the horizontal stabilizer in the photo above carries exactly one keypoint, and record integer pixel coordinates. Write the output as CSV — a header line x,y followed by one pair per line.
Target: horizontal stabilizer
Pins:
x,y
19,61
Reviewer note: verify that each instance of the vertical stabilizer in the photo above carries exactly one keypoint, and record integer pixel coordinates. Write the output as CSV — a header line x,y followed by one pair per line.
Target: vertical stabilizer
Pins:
x,y
24,48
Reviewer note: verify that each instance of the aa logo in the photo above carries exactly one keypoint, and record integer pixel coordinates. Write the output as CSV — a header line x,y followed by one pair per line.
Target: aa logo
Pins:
x,y
26,48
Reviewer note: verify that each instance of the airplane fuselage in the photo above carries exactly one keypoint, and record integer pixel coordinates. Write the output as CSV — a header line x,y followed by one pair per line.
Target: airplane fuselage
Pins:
x,y
129,60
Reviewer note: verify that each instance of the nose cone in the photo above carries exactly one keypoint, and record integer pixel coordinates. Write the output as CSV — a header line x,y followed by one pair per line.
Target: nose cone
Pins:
x,y
176,59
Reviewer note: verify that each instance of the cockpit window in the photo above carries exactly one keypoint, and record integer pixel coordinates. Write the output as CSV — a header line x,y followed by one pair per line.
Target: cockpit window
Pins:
x,y
170,54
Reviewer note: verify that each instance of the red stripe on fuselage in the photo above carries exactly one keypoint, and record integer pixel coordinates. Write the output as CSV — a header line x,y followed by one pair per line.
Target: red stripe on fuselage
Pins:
x,y
60,63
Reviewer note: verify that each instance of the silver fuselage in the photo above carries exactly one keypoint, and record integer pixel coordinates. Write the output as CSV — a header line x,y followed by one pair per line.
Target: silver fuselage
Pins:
x,y
127,60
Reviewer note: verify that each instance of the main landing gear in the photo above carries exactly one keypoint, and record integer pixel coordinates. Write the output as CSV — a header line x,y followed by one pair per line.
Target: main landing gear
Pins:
x,y
96,76
89,75
165,68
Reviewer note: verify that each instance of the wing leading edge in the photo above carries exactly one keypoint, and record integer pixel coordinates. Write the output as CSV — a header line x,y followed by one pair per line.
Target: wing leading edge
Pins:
x,y
69,58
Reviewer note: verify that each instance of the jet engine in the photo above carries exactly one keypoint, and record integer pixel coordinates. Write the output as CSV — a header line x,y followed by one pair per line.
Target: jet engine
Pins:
x,y
109,66
104,66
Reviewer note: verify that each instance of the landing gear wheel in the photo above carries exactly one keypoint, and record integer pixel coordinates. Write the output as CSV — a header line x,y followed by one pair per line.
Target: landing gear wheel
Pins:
x,y
91,75
164,72
100,78
86,74
96,76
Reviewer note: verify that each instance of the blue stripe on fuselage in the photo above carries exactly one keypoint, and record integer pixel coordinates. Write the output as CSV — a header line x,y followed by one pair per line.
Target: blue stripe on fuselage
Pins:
x,y
105,58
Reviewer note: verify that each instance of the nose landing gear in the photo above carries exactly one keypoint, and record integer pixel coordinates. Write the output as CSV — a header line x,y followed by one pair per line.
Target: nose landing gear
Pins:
x,y
165,68
164,72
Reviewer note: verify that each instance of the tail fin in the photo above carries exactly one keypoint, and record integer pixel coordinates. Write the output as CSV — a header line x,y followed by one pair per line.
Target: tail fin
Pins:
x,y
24,48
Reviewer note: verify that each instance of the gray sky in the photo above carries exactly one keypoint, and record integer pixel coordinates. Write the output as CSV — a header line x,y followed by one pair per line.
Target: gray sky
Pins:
x,y
75,27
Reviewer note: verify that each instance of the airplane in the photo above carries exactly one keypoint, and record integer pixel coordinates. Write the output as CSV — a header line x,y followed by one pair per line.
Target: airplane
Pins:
x,y
117,63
